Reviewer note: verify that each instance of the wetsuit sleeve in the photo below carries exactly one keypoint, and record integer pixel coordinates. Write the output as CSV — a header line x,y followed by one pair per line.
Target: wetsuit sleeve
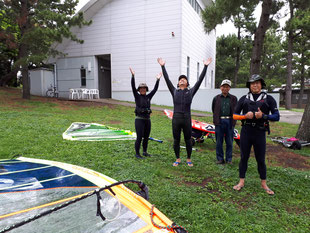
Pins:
x,y
152,93
169,83
275,115
198,83
238,109
133,86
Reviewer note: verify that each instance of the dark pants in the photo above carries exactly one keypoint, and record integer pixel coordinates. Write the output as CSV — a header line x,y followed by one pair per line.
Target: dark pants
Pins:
x,y
143,129
224,130
179,124
256,137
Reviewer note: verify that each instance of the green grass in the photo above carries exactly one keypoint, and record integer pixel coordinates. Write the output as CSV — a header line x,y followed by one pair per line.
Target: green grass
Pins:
x,y
200,198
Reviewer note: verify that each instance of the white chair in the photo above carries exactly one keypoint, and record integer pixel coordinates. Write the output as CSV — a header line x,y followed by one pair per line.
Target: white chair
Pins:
x,y
86,93
94,93
74,93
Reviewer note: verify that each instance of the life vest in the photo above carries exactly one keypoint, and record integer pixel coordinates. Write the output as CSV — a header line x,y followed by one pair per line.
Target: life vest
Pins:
x,y
250,105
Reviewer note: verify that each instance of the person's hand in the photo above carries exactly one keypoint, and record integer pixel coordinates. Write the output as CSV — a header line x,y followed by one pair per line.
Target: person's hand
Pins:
x,y
132,71
159,75
161,61
249,115
207,62
258,114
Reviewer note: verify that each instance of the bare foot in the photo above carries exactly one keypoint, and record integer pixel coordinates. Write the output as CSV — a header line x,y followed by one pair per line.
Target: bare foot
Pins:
x,y
238,187
268,190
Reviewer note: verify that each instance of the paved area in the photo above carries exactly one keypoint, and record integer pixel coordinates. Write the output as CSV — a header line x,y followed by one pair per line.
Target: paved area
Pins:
x,y
290,117
285,115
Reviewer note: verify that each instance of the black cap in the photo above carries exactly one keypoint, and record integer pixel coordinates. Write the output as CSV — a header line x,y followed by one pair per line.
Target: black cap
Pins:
x,y
254,78
183,76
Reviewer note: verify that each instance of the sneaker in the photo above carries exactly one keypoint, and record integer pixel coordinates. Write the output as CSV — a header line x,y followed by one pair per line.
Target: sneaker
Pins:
x,y
139,156
229,162
220,162
146,154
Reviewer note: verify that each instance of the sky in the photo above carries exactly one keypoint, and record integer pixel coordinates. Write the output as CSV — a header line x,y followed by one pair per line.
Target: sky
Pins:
x,y
223,29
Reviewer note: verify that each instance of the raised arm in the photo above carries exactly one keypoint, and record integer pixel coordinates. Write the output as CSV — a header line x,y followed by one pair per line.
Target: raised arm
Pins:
x,y
162,63
201,77
152,93
133,85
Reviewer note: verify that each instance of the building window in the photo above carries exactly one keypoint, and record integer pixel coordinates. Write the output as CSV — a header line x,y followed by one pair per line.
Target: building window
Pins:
x,y
83,76
187,68
195,5
212,81
197,70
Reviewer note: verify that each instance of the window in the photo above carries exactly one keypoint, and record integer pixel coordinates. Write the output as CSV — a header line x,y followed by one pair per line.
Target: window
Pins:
x,y
212,81
195,5
187,68
83,76
197,70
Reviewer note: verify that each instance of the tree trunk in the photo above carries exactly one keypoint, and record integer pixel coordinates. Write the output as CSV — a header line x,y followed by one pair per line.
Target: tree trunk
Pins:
x,y
23,49
259,37
302,81
237,60
303,132
8,77
288,88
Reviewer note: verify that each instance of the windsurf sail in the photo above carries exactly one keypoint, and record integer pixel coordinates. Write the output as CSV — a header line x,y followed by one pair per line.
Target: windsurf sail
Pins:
x,y
79,131
47,196
292,143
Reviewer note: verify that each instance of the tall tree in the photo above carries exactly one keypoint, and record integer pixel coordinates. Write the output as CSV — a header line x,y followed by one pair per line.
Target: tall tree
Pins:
x,y
40,24
222,10
245,23
303,132
292,33
273,65
301,57
8,49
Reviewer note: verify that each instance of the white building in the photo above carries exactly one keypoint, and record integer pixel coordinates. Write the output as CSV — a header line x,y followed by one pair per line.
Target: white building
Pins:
x,y
134,33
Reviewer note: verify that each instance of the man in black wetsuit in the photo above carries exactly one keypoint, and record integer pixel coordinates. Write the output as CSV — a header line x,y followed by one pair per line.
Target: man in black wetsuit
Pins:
x,y
142,111
182,99
257,108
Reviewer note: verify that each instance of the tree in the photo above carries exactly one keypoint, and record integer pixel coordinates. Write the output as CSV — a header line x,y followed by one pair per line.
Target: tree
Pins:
x,y
301,57
292,33
273,65
40,24
303,132
245,23
226,52
8,49
222,10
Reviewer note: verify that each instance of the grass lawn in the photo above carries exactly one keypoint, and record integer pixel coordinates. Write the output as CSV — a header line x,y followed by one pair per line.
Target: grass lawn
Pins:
x,y
200,198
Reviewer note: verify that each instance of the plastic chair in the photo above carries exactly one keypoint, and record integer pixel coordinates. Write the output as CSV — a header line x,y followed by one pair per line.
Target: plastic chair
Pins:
x,y
86,92
73,93
94,93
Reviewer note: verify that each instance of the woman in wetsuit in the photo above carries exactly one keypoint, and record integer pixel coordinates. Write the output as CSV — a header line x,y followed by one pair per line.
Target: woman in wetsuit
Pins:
x,y
182,100
142,111
258,109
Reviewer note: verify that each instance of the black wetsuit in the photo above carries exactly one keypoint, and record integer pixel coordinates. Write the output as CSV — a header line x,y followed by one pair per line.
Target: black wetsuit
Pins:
x,y
182,100
142,111
253,131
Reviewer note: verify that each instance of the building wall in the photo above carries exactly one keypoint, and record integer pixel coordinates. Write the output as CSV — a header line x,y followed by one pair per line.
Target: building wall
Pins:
x,y
202,100
197,45
135,33
69,76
